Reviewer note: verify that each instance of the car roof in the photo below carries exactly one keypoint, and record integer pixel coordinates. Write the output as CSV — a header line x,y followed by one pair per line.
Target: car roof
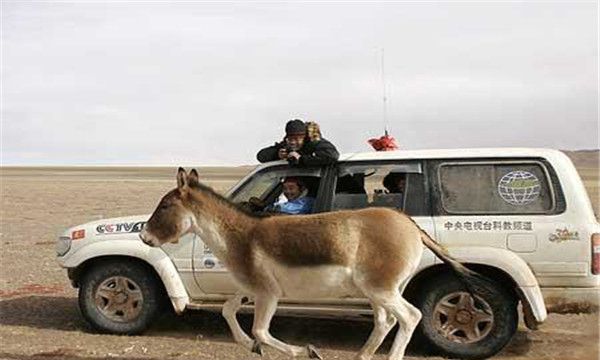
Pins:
x,y
450,153
507,152
502,152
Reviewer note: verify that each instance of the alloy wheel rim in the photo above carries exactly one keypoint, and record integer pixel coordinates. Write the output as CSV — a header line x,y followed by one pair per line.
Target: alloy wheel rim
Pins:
x,y
461,318
119,298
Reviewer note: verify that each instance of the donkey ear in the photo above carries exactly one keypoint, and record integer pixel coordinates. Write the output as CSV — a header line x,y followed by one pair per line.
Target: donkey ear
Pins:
x,y
193,177
181,179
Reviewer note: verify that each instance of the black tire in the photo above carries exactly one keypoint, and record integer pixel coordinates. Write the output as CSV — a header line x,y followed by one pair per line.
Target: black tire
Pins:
x,y
448,309
143,297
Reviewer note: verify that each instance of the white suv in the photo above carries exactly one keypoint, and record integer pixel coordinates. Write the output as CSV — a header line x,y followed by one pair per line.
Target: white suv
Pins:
x,y
520,216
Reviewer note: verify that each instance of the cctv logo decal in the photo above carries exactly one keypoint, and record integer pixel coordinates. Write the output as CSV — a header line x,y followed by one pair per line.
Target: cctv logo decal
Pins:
x,y
120,228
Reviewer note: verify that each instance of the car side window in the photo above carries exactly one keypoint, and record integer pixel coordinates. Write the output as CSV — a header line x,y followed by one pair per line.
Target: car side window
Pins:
x,y
495,188
398,185
258,186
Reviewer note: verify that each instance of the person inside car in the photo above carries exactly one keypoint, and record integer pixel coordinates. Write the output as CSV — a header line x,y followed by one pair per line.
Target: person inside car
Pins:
x,y
395,185
302,145
296,199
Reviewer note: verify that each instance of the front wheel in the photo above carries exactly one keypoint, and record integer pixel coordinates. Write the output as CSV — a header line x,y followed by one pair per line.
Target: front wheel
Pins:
x,y
119,297
459,325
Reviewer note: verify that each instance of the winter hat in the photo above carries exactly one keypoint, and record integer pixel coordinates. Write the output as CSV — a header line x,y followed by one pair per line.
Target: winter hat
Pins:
x,y
295,126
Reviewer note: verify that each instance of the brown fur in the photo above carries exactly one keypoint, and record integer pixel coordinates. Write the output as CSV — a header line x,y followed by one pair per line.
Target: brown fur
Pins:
x,y
301,240
373,236
161,222
387,245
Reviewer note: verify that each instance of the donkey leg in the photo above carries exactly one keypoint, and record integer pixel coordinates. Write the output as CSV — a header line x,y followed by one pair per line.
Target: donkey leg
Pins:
x,y
408,317
230,308
264,309
383,323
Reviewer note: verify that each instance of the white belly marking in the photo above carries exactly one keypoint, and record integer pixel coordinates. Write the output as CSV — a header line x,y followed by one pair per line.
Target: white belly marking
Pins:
x,y
323,281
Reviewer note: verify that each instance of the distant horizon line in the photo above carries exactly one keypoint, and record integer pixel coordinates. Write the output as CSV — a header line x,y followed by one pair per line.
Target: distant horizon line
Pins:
x,y
2,165
123,165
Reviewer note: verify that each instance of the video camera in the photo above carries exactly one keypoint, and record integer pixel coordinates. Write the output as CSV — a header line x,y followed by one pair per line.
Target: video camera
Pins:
x,y
291,160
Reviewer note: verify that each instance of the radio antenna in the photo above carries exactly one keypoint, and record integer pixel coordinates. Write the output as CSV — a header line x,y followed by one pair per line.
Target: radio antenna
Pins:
x,y
385,142
383,92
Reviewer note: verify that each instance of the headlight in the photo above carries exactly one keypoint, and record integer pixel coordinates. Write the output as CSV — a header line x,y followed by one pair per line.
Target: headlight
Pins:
x,y
63,245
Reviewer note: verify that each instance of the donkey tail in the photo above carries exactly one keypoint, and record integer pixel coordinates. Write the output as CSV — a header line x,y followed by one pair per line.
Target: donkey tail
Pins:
x,y
473,281
443,254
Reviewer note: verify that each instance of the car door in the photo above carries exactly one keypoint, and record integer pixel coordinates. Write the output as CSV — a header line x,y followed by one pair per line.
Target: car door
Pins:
x,y
210,274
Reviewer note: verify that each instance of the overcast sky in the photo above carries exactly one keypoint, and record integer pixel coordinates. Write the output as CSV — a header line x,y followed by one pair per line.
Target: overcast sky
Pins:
x,y
169,83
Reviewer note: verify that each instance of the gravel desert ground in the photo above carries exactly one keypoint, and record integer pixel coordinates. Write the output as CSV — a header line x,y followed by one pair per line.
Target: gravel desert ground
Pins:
x,y
39,317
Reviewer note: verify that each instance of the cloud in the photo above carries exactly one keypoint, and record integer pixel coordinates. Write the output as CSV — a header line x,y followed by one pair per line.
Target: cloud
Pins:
x,y
210,83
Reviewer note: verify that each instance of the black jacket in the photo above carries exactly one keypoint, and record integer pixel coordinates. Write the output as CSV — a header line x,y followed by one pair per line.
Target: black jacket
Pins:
x,y
313,153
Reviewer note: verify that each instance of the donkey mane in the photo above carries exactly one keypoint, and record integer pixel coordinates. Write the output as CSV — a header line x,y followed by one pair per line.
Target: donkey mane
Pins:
x,y
226,201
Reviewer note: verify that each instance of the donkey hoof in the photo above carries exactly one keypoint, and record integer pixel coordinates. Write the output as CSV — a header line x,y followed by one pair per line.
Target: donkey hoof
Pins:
x,y
257,348
312,352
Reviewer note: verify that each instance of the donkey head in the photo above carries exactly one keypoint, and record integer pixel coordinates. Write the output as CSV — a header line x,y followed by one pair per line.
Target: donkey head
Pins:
x,y
173,217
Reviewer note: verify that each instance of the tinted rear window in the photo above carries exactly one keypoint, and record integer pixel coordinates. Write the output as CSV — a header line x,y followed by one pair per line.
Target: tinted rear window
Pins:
x,y
500,188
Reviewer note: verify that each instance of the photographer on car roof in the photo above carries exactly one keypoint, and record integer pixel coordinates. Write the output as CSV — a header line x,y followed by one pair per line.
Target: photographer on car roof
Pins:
x,y
302,145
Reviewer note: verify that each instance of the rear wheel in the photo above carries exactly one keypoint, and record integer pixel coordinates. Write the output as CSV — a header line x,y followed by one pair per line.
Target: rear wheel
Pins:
x,y
119,297
458,325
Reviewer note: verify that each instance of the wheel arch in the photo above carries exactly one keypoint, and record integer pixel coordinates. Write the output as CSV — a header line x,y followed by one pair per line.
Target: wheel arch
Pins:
x,y
76,273
529,299
161,267
416,282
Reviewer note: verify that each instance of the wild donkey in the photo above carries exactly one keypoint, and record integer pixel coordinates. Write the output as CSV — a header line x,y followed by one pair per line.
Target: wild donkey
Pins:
x,y
366,252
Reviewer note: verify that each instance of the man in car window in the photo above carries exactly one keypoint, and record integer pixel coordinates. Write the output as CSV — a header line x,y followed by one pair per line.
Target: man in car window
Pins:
x,y
302,145
395,183
296,202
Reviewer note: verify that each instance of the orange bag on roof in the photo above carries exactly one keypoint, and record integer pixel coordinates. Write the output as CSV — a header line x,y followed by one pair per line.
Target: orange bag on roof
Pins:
x,y
384,143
